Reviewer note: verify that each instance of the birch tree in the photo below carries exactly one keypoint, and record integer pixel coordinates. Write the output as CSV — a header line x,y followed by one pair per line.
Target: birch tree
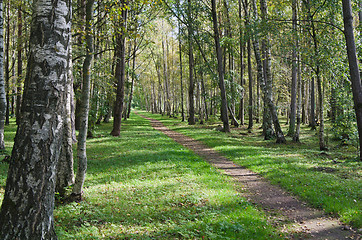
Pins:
x,y
27,208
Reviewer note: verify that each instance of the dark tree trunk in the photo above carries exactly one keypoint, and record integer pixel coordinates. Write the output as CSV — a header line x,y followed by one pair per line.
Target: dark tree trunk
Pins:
x,y
7,65
191,119
250,74
293,95
120,71
224,105
312,122
2,81
133,75
241,46
181,79
27,208
353,67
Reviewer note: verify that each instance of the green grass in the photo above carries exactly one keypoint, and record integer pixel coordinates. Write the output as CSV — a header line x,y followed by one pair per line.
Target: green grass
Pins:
x,y
143,185
331,181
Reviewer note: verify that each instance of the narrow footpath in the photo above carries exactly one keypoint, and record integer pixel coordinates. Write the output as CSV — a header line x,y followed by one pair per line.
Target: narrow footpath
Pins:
x,y
287,212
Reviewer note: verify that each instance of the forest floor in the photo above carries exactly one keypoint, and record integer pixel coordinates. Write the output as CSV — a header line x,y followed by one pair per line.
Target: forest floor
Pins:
x,y
286,211
144,185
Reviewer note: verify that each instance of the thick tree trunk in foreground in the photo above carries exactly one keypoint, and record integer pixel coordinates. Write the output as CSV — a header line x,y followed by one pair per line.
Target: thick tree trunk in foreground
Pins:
x,y
224,105
27,208
120,71
84,106
2,80
353,67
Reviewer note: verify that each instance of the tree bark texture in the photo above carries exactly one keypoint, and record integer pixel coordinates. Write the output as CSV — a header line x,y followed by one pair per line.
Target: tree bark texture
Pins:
x,y
2,80
224,104
65,173
191,119
353,67
293,90
84,105
269,102
27,208
120,71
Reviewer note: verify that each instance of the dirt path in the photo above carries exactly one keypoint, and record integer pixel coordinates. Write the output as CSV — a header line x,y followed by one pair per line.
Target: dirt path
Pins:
x,y
289,213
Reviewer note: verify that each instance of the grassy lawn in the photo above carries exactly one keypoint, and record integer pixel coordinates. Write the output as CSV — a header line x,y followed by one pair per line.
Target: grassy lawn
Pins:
x,y
330,181
143,185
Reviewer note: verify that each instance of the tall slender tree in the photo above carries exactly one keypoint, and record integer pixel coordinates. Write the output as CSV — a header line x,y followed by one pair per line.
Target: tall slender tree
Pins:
x,y
224,104
2,80
84,106
120,51
353,67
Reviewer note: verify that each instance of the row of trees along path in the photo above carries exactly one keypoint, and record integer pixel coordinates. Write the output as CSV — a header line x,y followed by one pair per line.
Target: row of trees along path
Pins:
x,y
41,161
293,215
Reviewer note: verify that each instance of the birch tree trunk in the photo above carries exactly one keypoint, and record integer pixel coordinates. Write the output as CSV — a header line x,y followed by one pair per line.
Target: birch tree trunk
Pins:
x,y
269,102
84,106
27,208
65,173
224,105
353,67
2,80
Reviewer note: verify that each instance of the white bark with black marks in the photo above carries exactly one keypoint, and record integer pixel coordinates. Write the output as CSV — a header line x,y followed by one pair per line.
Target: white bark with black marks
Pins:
x,y
27,208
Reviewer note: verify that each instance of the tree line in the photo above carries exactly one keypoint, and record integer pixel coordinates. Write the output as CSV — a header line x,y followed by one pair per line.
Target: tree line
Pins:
x,y
87,61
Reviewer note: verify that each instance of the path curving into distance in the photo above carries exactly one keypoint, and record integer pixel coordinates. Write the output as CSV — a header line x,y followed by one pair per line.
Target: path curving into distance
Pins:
x,y
290,214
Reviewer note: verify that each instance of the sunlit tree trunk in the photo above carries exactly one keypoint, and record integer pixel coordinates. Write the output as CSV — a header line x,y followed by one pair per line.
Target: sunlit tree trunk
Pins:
x,y
269,102
84,106
27,208
224,105
65,173
133,76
